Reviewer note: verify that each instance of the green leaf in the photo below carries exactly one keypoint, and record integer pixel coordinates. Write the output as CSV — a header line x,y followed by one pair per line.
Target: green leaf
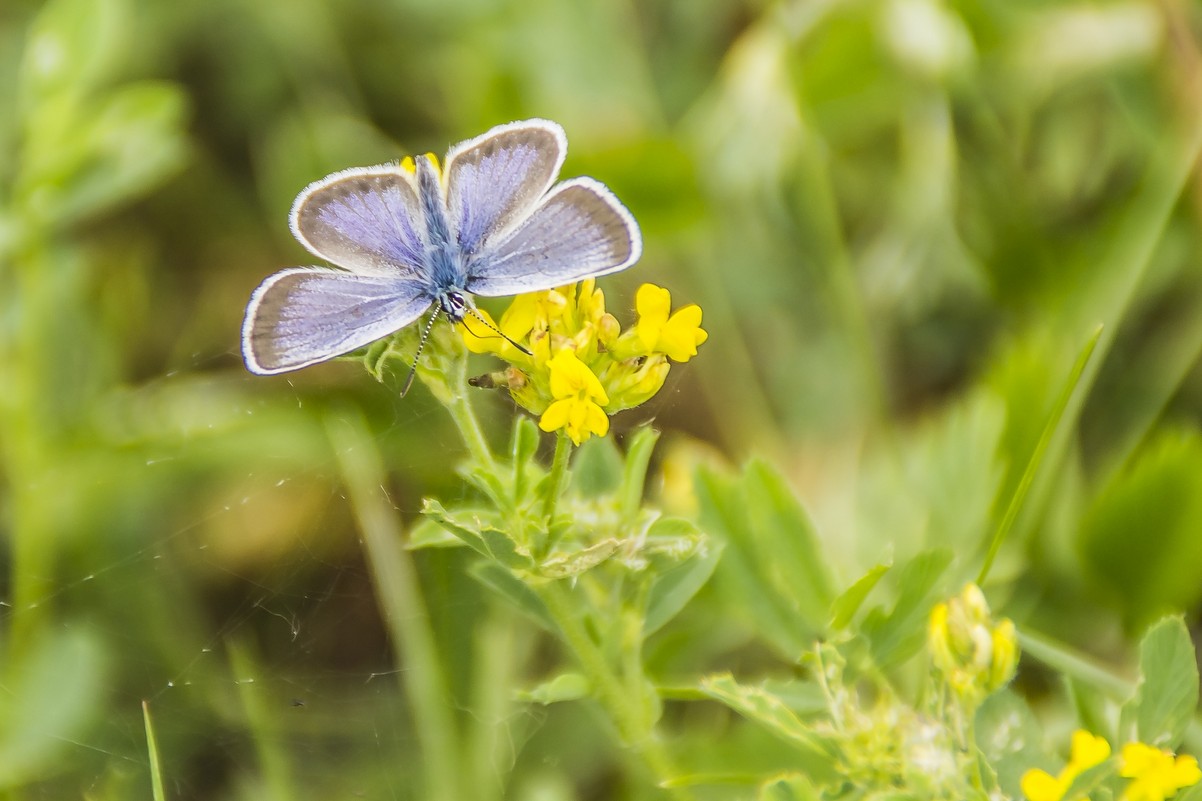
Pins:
x,y
564,687
509,587
488,483
899,634
152,755
430,533
638,456
793,787
50,697
1161,492
1010,739
1167,696
73,47
120,146
746,574
767,710
789,547
847,604
523,445
573,564
467,531
597,467
675,585
1092,707
475,529
504,550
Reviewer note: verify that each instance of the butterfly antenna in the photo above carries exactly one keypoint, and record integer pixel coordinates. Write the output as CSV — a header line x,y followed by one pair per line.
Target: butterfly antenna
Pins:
x,y
477,315
420,347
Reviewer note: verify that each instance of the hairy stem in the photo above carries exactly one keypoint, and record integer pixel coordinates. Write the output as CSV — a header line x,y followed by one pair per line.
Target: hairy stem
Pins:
x,y
629,716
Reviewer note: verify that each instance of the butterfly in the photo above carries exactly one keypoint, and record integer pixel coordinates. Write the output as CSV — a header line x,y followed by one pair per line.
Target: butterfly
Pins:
x,y
409,236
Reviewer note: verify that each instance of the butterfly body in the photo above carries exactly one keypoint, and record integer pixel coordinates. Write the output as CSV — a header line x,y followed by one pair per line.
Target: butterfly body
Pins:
x,y
407,239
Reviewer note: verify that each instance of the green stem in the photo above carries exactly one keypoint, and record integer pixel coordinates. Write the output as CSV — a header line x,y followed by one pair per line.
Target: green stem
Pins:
x,y
399,595
559,474
634,726
468,424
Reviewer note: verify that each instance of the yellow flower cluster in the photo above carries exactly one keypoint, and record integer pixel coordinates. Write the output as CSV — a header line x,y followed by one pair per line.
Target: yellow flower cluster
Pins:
x,y
581,366
1156,774
975,655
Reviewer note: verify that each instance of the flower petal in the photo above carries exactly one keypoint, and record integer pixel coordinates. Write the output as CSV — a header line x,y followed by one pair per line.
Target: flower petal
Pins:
x,y
1039,785
556,416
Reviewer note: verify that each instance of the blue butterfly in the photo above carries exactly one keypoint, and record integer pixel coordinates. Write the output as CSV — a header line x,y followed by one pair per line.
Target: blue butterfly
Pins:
x,y
489,224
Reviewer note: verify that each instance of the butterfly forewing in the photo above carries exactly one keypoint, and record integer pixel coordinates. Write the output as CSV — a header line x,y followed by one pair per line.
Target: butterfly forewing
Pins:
x,y
367,220
579,231
302,316
495,180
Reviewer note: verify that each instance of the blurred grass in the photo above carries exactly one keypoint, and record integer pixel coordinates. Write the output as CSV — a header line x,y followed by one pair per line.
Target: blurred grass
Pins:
x,y
903,218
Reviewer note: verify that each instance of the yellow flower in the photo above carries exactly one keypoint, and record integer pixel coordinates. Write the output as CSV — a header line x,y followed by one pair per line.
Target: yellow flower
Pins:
x,y
975,655
1087,751
579,397
677,335
1039,785
608,370
635,381
1155,773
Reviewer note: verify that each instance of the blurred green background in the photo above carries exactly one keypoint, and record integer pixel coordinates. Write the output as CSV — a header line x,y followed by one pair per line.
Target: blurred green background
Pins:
x,y
903,219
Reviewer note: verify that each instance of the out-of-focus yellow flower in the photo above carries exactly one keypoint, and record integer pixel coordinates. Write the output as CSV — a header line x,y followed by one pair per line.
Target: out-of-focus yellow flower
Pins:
x,y
675,335
1155,774
1088,750
578,399
974,654
409,165
627,368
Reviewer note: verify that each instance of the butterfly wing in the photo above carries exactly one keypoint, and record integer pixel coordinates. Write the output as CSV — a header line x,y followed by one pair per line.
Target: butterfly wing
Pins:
x,y
580,230
368,220
306,315
494,180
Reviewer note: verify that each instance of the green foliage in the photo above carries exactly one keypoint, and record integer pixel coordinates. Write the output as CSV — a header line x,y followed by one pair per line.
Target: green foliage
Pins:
x,y
904,220
1167,697
1139,538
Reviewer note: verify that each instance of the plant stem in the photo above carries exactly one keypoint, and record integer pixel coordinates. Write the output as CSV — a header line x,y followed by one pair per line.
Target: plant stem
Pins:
x,y
633,724
469,428
559,474
402,605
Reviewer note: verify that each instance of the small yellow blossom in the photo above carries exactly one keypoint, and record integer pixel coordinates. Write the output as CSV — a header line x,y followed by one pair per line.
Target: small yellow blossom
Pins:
x,y
1087,751
676,335
579,397
1155,773
975,655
